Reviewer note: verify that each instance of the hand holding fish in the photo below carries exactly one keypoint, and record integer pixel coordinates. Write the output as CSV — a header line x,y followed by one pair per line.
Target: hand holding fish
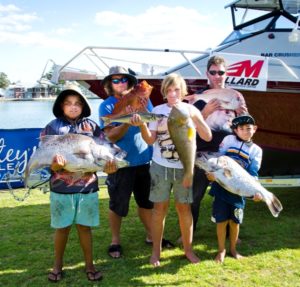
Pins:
x,y
191,98
257,197
212,106
110,167
136,120
58,162
143,103
241,110
210,176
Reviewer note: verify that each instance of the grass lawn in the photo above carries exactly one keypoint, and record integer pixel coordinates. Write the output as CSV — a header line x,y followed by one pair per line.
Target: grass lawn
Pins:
x,y
272,247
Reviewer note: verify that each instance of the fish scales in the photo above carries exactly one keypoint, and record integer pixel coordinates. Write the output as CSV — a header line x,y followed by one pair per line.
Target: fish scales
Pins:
x,y
145,116
141,90
235,179
229,98
82,153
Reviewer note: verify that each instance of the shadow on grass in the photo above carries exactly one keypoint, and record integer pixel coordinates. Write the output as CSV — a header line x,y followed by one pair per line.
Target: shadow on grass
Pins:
x,y
26,249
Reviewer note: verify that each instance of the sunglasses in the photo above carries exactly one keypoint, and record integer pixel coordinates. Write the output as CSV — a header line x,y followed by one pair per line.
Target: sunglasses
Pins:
x,y
121,80
213,72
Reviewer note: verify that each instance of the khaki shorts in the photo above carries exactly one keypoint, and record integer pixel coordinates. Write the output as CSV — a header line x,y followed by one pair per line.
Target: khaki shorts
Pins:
x,y
163,180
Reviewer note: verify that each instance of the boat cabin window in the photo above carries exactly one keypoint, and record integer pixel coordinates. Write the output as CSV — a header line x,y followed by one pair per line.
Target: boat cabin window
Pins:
x,y
284,23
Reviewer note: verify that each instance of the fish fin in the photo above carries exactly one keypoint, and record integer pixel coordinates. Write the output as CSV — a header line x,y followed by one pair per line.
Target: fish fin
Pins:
x,y
227,173
190,133
106,120
274,204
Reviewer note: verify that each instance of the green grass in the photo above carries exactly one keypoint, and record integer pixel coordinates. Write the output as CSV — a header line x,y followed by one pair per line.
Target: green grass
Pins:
x,y
272,247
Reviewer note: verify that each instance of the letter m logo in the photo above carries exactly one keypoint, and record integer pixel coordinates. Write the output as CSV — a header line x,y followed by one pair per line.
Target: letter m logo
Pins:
x,y
237,69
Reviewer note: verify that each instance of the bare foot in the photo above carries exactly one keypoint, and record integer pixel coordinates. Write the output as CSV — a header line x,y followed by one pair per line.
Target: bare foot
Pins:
x,y
192,257
236,255
220,257
154,260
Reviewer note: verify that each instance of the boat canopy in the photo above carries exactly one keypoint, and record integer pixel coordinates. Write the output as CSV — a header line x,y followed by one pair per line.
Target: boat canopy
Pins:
x,y
290,6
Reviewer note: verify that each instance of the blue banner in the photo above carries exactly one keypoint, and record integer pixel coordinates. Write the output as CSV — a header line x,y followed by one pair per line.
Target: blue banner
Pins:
x,y
16,147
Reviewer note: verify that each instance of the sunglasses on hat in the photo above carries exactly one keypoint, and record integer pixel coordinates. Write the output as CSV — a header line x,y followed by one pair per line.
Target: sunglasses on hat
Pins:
x,y
121,80
213,72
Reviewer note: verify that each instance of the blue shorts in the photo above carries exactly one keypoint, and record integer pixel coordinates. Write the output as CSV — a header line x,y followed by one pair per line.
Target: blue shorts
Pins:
x,y
223,211
163,180
124,182
77,208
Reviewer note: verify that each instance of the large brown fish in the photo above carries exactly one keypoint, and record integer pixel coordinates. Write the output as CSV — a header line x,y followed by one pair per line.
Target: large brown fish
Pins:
x,y
183,135
133,99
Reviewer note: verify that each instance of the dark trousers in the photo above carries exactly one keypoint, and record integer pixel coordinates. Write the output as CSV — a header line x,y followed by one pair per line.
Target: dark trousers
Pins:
x,y
200,184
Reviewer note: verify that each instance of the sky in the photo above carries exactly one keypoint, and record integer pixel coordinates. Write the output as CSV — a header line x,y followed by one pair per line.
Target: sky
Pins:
x,y
32,32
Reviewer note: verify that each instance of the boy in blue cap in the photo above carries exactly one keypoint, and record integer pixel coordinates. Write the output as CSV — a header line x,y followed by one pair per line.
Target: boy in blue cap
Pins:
x,y
228,208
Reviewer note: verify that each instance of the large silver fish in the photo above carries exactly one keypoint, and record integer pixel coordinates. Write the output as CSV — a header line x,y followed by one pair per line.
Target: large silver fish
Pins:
x,y
183,135
230,175
229,98
230,101
145,116
82,153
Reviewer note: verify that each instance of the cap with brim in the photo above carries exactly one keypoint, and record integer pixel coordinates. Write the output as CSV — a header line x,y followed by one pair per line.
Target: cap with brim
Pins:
x,y
70,90
242,120
118,70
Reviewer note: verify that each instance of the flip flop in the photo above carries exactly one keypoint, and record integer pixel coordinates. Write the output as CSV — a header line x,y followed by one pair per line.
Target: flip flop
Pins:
x,y
56,276
165,243
115,248
92,275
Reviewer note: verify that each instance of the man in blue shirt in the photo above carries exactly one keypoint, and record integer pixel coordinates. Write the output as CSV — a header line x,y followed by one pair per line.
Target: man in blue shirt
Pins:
x,y
136,177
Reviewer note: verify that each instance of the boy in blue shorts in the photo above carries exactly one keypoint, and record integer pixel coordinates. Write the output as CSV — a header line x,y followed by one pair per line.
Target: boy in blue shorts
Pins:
x,y
73,196
228,208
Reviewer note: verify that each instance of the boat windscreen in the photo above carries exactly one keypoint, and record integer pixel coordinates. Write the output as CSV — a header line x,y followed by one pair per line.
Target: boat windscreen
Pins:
x,y
247,31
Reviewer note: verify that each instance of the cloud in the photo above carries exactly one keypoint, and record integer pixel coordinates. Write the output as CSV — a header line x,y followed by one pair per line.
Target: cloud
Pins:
x,y
16,28
9,8
163,27
63,31
11,19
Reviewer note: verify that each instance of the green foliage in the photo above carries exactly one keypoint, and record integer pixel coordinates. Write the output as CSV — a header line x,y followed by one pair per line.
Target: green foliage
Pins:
x,y
4,81
271,246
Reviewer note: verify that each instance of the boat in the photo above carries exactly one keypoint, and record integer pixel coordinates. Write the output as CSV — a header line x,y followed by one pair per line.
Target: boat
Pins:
x,y
263,56
263,53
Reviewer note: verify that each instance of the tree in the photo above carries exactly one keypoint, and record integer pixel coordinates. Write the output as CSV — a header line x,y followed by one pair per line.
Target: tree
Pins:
x,y
4,81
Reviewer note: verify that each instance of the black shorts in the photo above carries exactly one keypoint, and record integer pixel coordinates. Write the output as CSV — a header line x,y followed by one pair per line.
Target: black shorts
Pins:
x,y
223,211
122,183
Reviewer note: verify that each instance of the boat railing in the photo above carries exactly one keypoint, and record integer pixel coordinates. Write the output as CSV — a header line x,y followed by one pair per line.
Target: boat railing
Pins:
x,y
102,63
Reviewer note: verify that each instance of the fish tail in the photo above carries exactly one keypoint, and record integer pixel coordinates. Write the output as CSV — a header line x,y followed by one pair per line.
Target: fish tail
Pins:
x,y
274,205
26,175
106,121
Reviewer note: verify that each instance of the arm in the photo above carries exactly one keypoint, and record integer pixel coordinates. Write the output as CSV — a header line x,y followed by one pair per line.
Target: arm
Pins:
x,y
115,133
201,126
149,136
255,162
243,107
